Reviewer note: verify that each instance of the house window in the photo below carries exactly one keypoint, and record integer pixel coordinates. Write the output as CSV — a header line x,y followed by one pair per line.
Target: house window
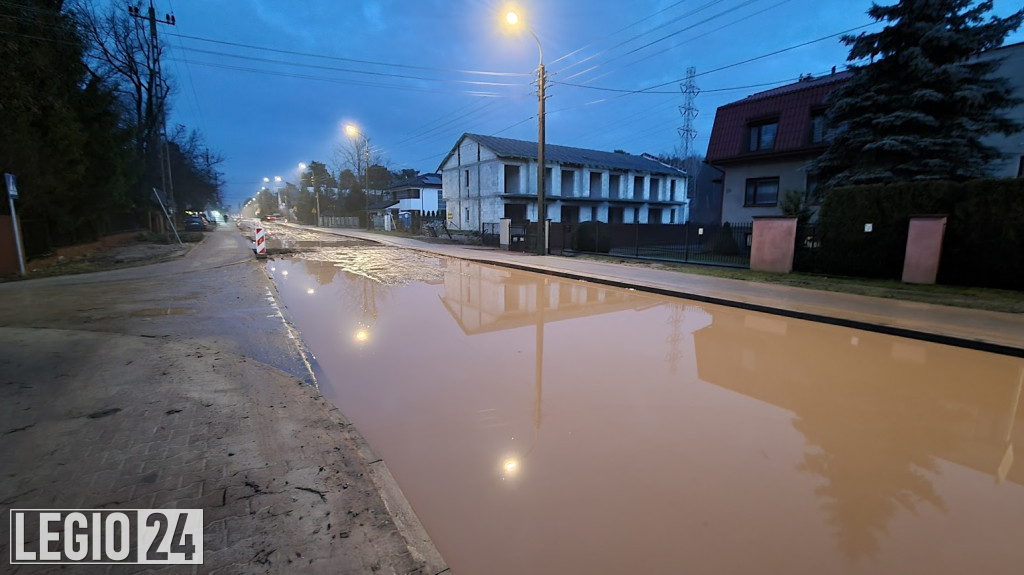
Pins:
x,y
762,192
615,215
467,215
568,183
467,182
638,187
656,189
442,205
512,179
817,127
762,135
595,184
614,183
672,191
654,216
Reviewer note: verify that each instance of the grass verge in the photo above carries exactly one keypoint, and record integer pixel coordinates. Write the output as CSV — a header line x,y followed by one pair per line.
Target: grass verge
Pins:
x,y
1008,301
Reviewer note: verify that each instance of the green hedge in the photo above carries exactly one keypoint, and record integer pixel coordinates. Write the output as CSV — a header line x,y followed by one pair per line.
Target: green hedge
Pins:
x,y
591,236
984,241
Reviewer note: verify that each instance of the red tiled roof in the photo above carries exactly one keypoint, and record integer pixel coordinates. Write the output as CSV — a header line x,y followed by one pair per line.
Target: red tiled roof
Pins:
x,y
791,104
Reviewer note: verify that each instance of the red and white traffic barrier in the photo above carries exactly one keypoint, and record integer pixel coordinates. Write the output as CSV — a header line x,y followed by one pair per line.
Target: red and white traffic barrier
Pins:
x,y
261,244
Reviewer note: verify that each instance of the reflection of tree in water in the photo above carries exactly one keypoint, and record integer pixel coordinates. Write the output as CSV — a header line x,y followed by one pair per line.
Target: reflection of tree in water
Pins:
x,y
361,296
876,441
324,272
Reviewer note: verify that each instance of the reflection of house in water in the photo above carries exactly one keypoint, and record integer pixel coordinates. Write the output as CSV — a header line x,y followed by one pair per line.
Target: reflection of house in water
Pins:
x,y
484,298
878,411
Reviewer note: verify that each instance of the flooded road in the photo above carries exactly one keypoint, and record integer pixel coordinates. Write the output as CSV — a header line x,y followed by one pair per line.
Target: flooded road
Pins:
x,y
542,425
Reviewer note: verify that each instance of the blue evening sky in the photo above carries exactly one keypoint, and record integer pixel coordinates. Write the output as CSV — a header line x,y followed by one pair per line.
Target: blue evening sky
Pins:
x,y
272,83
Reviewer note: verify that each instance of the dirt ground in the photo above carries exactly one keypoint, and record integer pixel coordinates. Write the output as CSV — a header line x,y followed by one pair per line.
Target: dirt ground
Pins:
x,y
179,385
125,250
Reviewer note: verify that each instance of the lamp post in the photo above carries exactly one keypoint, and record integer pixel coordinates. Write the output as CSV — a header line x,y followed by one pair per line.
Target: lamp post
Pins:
x,y
512,19
353,132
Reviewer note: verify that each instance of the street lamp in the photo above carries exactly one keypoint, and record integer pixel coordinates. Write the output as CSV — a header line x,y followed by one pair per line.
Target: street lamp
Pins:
x,y
353,132
512,19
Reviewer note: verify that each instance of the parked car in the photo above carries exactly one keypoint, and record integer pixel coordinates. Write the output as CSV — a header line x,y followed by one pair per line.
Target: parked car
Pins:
x,y
195,224
274,217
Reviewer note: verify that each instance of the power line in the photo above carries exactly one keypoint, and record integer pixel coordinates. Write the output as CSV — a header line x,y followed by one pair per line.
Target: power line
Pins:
x,y
640,35
641,21
653,89
717,30
348,70
353,60
192,85
341,80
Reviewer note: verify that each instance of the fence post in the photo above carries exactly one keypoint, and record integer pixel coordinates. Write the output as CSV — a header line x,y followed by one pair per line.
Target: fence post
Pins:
x,y
773,244
686,248
636,239
924,249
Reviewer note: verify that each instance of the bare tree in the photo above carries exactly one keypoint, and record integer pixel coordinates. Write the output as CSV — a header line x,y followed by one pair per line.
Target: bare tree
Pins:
x,y
351,155
121,52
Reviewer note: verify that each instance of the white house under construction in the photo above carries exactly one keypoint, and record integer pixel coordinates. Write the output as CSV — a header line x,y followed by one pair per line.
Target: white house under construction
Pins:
x,y
486,178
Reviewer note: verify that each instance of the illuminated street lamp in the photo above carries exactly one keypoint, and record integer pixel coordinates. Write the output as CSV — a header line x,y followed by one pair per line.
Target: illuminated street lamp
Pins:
x,y
513,20
353,132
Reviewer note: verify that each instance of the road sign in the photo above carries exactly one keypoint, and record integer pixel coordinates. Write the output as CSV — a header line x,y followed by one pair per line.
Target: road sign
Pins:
x,y
12,185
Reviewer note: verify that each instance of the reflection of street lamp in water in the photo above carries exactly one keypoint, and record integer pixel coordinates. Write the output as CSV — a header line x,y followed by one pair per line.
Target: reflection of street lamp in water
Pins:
x,y
368,310
352,131
512,465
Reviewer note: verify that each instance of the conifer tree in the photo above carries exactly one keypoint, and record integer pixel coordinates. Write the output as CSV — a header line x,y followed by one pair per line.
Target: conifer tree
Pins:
x,y
920,100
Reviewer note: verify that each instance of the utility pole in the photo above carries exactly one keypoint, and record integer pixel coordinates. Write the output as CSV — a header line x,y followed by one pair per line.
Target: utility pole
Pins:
x,y
156,97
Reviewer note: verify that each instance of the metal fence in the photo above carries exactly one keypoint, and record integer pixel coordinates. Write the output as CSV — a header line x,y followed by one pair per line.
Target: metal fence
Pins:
x,y
339,222
714,244
490,234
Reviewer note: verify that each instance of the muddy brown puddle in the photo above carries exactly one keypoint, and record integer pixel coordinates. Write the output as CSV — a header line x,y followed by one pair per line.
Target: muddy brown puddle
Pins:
x,y
543,425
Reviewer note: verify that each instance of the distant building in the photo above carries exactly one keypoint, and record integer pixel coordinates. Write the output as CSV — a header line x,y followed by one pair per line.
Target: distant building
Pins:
x,y
420,194
486,178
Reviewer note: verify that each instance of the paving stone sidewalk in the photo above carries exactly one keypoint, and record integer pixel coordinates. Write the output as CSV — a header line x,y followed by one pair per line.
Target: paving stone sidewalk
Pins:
x,y
155,415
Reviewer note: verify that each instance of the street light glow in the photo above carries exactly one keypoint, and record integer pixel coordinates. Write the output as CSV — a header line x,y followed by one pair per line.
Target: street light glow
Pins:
x,y
351,130
511,18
